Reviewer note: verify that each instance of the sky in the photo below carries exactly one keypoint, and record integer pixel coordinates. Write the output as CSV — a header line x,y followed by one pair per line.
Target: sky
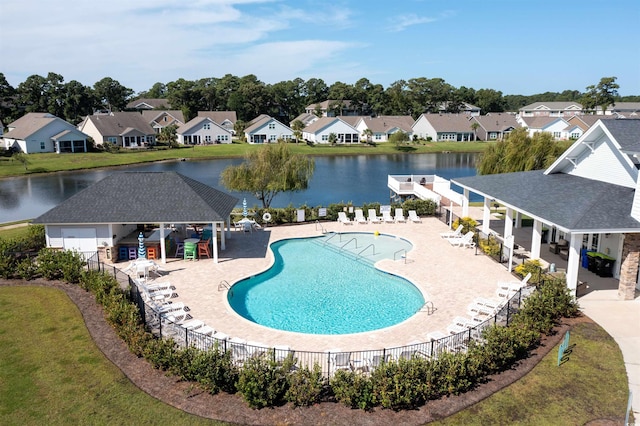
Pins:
x,y
516,47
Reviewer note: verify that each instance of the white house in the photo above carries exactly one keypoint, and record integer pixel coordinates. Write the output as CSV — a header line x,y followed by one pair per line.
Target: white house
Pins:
x,y
551,109
202,131
383,126
159,119
444,127
266,129
43,132
555,125
320,130
224,119
590,197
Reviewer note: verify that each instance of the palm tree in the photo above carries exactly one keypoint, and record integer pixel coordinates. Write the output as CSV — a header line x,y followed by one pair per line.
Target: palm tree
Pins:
x,y
297,126
368,133
474,127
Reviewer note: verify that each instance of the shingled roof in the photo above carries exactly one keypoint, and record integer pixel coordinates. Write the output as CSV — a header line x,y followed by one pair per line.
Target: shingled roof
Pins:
x,y
143,197
570,202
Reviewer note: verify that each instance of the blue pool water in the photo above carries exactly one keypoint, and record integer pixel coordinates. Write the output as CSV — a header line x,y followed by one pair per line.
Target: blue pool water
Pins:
x,y
316,288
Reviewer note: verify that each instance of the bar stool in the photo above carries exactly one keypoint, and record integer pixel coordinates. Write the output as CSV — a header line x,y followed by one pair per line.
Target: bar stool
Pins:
x,y
179,249
133,253
152,253
123,253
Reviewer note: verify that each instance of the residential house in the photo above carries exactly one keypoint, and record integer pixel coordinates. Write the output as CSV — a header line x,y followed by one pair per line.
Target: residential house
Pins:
x,y
551,109
320,130
147,104
494,126
444,127
465,108
159,119
589,197
382,127
37,132
305,118
124,129
225,119
555,125
622,110
332,108
578,124
203,131
266,129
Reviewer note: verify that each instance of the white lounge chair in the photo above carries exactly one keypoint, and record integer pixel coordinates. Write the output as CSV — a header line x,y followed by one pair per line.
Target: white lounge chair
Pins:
x,y
399,217
413,217
340,361
359,217
517,285
373,217
453,234
386,217
464,241
342,217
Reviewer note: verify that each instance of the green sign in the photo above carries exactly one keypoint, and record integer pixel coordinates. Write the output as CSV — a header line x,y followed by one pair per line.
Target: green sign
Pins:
x,y
564,345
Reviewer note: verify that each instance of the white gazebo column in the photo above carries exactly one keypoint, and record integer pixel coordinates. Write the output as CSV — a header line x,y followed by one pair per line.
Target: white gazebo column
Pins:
x,y
223,246
214,236
465,202
508,222
486,216
228,227
518,223
536,239
573,262
163,249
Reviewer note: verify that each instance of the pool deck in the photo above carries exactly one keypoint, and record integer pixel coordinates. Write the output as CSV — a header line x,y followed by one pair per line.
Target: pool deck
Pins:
x,y
450,277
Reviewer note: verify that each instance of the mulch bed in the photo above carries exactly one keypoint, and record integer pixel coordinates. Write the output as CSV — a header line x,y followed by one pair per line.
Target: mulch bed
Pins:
x,y
233,409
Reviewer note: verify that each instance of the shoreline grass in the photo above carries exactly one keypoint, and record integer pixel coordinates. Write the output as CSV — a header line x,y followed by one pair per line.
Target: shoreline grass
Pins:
x,y
51,162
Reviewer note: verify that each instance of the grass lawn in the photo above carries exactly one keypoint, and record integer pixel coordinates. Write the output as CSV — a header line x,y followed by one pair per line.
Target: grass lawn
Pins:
x,y
52,373
50,162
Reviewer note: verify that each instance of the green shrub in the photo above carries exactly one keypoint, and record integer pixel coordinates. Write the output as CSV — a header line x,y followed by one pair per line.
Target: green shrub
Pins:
x,y
490,246
530,266
353,389
468,224
305,386
422,207
400,385
26,269
263,381
60,264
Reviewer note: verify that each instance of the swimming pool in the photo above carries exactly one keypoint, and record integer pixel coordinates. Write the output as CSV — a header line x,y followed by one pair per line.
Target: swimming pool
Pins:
x,y
316,286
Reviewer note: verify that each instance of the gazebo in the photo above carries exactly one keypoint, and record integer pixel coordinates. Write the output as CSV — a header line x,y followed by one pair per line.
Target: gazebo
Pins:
x,y
96,218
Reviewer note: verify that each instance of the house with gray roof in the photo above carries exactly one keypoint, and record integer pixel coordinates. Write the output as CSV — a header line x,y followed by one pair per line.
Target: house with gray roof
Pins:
x,y
551,109
39,132
266,129
320,130
589,197
332,108
143,104
383,126
98,217
203,131
444,127
305,118
494,126
123,129
224,119
159,119
555,125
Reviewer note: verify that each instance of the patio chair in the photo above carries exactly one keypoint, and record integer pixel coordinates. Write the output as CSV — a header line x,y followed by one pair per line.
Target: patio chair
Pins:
x,y
386,217
340,361
281,352
193,324
203,248
179,248
190,251
342,218
413,217
373,217
399,217
453,234
464,241
359,217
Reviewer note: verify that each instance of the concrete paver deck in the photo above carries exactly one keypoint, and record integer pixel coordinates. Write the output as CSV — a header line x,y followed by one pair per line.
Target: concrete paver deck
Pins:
x,y
449,277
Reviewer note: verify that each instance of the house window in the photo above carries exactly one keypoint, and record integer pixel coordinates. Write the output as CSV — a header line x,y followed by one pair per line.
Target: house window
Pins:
x,y
377,136
220,138
272,138
575,135
448,137
272,126
556,135
286,137
206,126
42,146
325,138
493,136
207,138
112,139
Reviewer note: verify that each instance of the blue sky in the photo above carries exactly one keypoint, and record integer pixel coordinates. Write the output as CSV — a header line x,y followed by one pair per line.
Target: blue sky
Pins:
x,y
516,47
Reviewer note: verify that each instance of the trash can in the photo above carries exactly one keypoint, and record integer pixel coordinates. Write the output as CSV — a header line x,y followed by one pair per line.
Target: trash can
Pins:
x,y
584,258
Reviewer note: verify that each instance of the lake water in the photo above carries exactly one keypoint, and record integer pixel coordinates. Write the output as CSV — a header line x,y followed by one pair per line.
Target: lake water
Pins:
x,y
356,178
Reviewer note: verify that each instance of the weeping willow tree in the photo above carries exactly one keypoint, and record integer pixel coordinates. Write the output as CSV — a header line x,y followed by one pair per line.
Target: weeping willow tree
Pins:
x,y
520,152
269,170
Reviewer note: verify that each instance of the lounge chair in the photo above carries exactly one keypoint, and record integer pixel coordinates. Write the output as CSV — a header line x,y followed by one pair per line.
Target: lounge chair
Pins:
x,y
342,217
453,234
340,361
515,285
399,217
359,217
413,217
373,217
375,361
386,217
464,241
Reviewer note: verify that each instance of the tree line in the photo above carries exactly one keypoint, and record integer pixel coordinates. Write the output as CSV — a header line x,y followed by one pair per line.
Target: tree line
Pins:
x,y
285,100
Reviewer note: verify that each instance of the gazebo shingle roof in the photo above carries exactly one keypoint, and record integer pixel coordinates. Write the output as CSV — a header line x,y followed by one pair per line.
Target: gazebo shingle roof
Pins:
x,y
143,197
